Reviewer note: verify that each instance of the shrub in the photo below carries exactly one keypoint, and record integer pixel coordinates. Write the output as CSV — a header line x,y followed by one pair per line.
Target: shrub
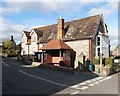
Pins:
x,y
95,61
108,62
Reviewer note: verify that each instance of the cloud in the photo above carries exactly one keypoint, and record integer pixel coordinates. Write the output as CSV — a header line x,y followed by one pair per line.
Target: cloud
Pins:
x,y
106,9
113,34
109,10
17,7
63,7
60,0
9,10
8,29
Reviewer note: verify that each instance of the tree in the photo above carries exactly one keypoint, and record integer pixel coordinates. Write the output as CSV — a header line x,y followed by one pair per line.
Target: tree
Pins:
x,y
9,47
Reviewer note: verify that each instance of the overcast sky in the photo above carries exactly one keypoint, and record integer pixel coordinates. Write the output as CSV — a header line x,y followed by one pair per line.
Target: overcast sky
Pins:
x,y
19,15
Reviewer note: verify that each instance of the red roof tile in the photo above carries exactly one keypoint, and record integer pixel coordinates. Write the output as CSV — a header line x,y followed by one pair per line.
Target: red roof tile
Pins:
x,y
56,44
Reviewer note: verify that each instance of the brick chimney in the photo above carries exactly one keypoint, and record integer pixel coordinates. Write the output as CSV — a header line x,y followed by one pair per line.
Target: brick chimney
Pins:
x,y
12,38
60,32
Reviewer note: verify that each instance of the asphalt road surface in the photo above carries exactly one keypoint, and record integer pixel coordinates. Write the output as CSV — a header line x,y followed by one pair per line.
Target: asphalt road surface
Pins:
x,y
22,80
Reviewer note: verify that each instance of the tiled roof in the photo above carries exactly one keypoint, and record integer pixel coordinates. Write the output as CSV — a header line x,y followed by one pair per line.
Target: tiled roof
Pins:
x,y
73,30
28,41
28,37
26,33
56,44
49,32
39,33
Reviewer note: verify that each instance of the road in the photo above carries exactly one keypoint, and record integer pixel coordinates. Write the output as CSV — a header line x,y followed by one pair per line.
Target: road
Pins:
x,y
22,80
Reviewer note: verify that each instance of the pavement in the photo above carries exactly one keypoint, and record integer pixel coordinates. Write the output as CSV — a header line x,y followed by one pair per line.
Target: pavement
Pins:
x,y
98,85
23,80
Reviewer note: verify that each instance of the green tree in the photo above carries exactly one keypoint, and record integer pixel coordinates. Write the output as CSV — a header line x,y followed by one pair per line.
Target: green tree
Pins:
x,y
9,47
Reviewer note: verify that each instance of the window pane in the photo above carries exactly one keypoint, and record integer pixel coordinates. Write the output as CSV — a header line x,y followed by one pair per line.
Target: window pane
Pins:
x,y
98,41
98,51
98,38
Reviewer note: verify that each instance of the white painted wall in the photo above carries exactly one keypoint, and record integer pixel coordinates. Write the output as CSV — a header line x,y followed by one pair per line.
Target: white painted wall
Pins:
x,y
104,46
34,45
40,45
23,44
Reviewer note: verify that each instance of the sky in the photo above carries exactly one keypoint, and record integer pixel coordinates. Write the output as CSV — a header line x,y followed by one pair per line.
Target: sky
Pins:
x,y
19,15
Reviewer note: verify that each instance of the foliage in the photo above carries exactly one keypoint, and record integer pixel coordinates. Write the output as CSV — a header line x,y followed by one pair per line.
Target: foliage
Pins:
x,y
17,48
115,67
95,61
9,47
108,61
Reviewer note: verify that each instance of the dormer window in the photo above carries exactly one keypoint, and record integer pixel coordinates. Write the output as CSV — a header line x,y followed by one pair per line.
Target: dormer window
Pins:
x,y
33,38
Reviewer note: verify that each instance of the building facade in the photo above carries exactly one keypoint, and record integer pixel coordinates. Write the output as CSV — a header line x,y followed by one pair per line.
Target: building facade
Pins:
x,y
88,37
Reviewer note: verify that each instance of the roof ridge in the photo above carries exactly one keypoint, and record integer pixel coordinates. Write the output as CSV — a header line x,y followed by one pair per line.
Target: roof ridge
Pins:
x,y
85,17
68,21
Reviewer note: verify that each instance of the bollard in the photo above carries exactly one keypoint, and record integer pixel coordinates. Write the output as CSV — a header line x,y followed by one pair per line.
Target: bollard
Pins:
x,y
99,71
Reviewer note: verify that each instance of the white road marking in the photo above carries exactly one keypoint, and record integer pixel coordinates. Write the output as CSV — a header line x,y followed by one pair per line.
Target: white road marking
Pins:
x,y
109,77
101,80
76,92
91,85
88,81
82,83
93,80
5,64
84,87
75,86
96,82
43,79
97,78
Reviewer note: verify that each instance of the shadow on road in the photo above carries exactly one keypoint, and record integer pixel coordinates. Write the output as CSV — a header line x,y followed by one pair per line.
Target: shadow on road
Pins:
x,y
39,80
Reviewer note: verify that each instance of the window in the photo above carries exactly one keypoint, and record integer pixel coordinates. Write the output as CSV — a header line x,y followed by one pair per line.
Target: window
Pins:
x,y
98,41
98,49
33,38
